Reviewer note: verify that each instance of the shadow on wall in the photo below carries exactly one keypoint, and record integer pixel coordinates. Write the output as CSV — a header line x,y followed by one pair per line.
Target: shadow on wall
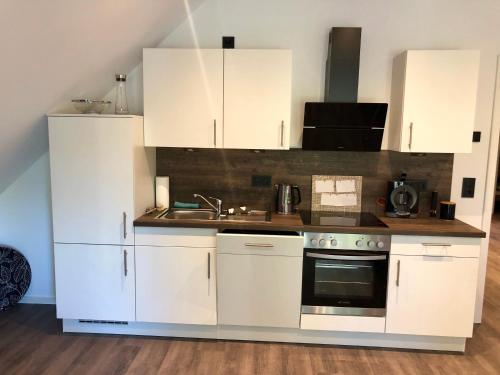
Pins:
x,y
30,145
26,225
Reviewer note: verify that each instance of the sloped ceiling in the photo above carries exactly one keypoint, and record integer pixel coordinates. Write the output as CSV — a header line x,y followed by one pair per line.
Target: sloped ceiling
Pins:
x,y
56,50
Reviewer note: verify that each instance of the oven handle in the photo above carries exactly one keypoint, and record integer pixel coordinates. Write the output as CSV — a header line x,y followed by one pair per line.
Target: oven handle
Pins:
x,y
346,257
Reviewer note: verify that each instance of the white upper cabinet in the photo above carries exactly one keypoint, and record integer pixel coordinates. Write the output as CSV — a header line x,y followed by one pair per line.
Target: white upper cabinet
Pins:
x,y
433,101
257,97
183,97
214,98
101,178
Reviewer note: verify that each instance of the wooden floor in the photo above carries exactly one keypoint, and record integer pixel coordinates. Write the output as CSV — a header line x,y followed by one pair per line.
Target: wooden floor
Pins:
x,y
31,342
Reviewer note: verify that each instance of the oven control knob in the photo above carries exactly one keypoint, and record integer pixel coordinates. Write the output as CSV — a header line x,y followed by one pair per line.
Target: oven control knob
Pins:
x,y
322,242
359,243
314,242
371,243
333,242
380,244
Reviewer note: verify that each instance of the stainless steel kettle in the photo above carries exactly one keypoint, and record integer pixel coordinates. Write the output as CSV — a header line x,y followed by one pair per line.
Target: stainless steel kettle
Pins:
x,y
286,200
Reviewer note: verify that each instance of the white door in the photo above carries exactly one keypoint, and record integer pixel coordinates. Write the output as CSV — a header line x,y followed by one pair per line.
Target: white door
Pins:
x,y
439,101
183,97
259,290
431,295
91,165
257,98
95,282
176,285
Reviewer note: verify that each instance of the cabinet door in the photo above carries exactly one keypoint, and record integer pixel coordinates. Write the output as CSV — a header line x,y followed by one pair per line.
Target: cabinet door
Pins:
x,y
431,295
176,285
257,97
439,101
91,167
183,97
259,290
95,282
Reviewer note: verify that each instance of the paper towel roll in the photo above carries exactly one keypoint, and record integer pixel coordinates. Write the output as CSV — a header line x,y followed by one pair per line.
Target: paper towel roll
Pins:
x,y
162,193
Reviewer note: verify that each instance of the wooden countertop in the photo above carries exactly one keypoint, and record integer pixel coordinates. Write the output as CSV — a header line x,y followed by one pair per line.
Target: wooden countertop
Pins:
x,y
424,226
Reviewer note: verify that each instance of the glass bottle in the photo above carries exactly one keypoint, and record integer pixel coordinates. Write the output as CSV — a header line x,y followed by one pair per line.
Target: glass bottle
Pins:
x,y
121,107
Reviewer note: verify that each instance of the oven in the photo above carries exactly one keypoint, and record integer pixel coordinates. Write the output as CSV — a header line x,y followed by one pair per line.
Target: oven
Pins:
x,y
345,274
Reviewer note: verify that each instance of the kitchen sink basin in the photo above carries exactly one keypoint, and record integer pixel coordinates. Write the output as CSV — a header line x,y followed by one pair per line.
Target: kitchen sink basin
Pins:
x,y
186,214
207,214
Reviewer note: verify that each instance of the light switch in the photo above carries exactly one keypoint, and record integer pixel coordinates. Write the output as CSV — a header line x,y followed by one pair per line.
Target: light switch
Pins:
x,y
468,186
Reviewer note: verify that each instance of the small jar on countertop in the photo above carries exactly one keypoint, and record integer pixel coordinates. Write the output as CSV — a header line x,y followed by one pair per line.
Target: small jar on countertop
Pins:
x,y
447,210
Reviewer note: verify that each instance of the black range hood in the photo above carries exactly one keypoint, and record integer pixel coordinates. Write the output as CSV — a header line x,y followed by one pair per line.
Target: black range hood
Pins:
x,y
340,123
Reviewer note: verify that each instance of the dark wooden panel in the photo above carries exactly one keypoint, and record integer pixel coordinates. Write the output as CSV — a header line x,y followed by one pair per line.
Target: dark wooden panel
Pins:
x,y
227,173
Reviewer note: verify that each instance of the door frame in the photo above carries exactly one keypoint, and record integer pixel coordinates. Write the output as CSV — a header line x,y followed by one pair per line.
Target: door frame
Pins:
x,y
489,195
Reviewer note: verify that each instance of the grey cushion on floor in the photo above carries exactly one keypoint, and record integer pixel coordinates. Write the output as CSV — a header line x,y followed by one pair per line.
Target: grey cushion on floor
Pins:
x,y
15,277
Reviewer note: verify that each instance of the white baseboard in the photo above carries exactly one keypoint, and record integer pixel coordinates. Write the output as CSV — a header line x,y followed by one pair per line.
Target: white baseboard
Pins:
x,y
455,344
39,300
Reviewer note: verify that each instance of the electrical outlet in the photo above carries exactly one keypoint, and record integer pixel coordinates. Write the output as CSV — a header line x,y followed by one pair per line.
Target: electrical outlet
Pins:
x,y
261,181
468,186
476,137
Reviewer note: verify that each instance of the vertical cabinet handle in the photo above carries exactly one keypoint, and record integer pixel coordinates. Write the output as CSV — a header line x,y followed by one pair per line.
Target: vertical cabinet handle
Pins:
x,y
411,135
125,267
124,225
215,133
282,130
208,274
397,273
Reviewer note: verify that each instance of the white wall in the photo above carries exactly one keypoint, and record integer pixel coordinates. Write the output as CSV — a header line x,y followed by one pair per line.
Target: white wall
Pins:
x,y
58,50
26,225
389,27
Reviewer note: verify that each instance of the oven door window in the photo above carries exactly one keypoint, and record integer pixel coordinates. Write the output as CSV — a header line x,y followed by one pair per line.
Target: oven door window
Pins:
x,y
347,280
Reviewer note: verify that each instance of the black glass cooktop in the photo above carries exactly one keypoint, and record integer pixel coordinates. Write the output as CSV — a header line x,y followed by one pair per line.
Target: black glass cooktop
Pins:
x,y
342,219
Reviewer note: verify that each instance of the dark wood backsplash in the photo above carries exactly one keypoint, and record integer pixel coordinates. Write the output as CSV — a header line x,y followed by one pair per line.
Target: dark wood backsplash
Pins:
x,y
227,174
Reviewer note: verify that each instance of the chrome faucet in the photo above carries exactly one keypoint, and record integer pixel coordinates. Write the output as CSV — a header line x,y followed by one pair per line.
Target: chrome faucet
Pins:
x,y
218,202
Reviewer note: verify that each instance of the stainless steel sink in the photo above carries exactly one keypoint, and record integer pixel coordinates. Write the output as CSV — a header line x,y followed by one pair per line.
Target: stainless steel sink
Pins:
x,y
188,214
208,214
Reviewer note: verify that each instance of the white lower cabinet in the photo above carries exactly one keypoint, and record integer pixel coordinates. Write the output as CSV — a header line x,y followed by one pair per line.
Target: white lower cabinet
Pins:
x,y
432,287
176,285
95,282
259,280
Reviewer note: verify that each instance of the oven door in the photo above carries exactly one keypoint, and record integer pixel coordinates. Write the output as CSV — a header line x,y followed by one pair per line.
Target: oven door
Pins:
x,y
340,282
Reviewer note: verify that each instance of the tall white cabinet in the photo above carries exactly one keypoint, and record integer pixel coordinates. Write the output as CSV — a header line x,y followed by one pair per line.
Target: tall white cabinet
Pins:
x,y
214,98
101,179
433,101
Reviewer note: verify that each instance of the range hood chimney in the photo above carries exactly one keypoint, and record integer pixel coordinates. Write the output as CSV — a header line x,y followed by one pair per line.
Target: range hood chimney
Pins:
x,y
342,65
340,123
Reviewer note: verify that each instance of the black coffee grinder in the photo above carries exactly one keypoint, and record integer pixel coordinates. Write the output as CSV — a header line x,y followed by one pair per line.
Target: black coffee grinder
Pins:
x,y
402,197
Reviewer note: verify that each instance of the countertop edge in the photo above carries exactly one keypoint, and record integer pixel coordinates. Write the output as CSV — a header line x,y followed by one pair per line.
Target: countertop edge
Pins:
x,y
468,231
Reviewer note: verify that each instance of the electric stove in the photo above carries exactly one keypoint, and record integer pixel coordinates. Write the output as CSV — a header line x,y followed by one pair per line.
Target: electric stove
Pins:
x,y
342,219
